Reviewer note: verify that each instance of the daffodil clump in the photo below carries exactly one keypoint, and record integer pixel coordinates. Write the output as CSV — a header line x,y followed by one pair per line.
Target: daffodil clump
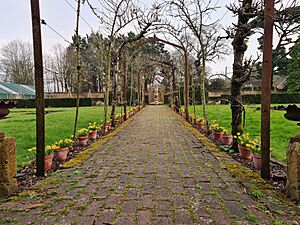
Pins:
x,y
244,139
118,116
192,116
50,149
200,120
82,132
216,127
255,148
64,143
33,149
92,127
226,131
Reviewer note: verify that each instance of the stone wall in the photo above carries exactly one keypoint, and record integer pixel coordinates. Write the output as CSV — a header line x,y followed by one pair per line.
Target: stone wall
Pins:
x,y
293,168
8,166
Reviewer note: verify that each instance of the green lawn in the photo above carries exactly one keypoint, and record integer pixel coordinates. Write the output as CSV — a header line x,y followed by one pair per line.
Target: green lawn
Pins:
x,y
59,125
281,129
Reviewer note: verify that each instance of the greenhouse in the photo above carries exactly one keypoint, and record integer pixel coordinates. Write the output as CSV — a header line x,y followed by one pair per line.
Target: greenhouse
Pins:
x,y
16,91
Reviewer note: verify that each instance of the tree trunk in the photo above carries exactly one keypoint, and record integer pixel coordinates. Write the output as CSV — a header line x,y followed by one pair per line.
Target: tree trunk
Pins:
x,y
124,87
194,99
78,70
202,85
106,101
115,97
143,93
237,80
173,86
139,89
186,85
131,88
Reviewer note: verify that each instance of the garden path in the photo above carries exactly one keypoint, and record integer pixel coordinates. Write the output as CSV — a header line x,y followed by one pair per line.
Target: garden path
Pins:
x,y
153,171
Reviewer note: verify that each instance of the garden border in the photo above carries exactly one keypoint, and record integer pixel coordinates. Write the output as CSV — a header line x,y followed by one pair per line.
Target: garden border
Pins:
x,y
272,199
78,159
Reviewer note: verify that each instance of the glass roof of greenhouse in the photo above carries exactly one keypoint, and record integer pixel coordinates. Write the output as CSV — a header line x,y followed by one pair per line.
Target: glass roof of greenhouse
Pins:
x,y
16,89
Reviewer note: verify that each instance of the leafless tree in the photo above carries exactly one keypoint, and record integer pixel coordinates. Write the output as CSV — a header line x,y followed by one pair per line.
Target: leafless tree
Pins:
x,y
248,12
196,16
16,61
115,15
62,68
287,24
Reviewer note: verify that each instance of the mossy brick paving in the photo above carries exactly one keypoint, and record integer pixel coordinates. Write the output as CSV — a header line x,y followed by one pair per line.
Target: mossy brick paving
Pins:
x,y
157,169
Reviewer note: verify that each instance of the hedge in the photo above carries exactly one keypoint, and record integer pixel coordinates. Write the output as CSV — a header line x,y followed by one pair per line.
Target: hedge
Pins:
x,y
276,98
57,102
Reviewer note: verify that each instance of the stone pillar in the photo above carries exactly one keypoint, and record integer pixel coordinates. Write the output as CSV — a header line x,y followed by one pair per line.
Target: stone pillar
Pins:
x,y
8,165
293,168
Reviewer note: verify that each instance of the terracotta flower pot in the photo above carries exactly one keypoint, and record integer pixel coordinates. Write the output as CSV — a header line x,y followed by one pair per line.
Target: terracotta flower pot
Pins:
x,y
93,135
48,162
256,161
82,140
227,139
200,125
245,153
193,121
108,127
61,154
117,121
217,135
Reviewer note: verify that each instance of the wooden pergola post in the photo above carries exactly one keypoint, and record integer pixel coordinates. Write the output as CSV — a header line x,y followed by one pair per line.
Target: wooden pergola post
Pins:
x,y
186,85
266,88
39,87
124,88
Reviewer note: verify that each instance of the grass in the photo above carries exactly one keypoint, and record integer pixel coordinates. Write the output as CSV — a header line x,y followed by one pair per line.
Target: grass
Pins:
x,y
281,128
59,125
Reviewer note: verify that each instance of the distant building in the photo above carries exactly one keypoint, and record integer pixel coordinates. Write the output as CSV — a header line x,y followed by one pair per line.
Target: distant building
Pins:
x,y
16,91
279,84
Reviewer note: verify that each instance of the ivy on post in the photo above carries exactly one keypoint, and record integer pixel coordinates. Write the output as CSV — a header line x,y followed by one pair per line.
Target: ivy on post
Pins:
x,y
39,87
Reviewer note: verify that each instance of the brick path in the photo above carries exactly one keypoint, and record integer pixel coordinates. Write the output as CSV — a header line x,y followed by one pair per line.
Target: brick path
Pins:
x,y
154,171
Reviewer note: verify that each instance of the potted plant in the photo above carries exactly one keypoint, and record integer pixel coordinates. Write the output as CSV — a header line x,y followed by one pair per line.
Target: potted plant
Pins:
x,y
182,111
48,156
118,118
244,144
226,137
61,152
131,110
82,136
93,127
256,155
217,131
200,123
192,119
108,127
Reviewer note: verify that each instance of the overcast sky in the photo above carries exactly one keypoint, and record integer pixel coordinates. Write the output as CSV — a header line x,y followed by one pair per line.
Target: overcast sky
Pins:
x,y
15,20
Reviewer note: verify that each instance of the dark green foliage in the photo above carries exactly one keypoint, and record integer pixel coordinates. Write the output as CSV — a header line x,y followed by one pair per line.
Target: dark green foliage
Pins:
x,y
57,102
197,96
216,84
279,63
293,80
276,98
